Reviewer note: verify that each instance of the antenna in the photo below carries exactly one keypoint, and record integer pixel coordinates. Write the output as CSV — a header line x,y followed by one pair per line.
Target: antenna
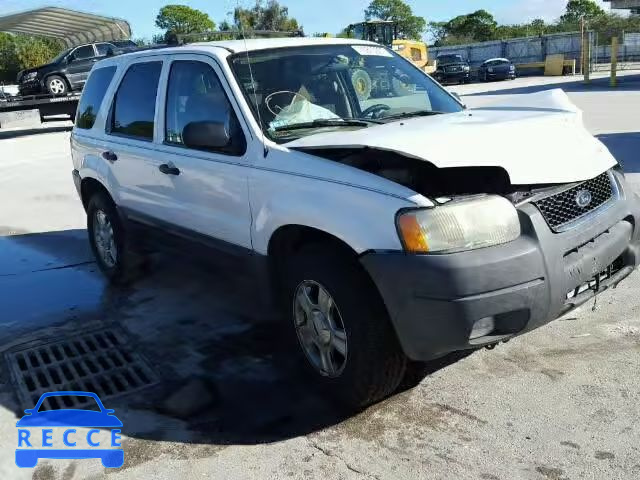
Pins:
x,y
265,150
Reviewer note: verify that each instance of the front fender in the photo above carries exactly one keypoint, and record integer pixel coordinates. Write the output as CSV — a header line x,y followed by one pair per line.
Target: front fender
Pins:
x,y
362,218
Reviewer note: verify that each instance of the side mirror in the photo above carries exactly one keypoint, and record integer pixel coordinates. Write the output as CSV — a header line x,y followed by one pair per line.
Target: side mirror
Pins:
x,y
69,58
206,135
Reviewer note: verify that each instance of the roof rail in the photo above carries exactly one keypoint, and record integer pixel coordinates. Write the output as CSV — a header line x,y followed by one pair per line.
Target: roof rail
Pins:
x,y
183,38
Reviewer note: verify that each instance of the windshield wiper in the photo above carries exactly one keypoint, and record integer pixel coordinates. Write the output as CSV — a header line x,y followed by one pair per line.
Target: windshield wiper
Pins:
x,y
324,122
419,113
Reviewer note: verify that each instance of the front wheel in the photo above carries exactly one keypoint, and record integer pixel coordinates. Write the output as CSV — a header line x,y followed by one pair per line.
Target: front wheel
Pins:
x,y
342,327
56,85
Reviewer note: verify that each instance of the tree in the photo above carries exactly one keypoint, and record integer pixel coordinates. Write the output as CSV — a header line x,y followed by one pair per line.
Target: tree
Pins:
x,y
178,19
35,51
577,9
479,26
409,25
9,64
269,16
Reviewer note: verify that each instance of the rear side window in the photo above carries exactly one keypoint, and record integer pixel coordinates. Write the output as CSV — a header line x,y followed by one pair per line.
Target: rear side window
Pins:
x,y
134,106
93,95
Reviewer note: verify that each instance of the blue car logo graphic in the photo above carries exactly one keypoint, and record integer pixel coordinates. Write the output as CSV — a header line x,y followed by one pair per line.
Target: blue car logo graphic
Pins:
x,y
35,440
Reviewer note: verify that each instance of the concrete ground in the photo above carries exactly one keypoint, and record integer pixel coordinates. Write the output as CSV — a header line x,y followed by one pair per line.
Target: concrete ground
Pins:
x,y
562,402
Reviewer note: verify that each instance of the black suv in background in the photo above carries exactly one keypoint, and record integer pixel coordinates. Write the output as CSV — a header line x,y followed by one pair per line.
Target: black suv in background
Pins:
x,y
452,68
69,70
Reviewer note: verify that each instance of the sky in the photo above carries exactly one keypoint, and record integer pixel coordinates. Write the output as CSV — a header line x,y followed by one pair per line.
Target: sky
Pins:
x,y
314,15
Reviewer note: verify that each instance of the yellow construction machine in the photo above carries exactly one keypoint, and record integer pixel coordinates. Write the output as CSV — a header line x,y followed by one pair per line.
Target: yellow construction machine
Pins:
x,y
386,33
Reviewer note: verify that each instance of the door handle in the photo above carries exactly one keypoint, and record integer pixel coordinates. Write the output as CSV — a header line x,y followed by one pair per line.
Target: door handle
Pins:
x,y
109,156
169,169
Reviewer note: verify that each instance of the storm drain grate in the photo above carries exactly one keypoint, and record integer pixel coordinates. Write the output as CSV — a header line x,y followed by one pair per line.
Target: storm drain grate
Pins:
x,y
101,362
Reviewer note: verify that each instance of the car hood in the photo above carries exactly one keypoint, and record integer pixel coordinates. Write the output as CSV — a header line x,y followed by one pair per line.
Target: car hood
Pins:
x,y
537,138
449,64
36,69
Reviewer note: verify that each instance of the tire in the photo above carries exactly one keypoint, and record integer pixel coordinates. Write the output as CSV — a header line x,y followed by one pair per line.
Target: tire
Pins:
x,y
56,85
374,363
123,264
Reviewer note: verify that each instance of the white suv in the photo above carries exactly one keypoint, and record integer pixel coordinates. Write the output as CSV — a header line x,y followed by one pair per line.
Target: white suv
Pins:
x,y
394,225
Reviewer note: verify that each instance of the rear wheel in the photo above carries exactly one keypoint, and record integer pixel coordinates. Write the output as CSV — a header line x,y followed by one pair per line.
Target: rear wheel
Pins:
x,y
56,85
108,241
342,327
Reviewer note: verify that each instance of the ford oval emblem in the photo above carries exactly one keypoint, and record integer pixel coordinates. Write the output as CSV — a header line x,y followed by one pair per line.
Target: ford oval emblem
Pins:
x,y
583,198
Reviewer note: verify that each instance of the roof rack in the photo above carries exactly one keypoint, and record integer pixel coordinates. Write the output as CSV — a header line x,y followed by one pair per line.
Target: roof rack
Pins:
x,y
183,38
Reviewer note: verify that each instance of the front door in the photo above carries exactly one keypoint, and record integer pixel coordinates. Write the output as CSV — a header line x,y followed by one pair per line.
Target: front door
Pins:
x,y
79,65
209,185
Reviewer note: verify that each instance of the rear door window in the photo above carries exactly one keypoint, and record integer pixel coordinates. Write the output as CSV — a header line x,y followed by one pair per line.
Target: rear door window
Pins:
x,y
92,96
82,53
134,105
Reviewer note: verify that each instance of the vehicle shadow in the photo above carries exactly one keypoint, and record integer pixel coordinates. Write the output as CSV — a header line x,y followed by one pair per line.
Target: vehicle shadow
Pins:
x,y
6,134
625,83
624,147
227,371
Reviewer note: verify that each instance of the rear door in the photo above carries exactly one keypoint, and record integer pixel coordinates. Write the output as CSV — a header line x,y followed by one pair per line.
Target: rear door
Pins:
x,y
130,147
79,65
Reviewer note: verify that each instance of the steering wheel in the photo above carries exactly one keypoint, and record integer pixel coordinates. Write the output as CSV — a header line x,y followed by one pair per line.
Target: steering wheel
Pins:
x,y
270,97
370,111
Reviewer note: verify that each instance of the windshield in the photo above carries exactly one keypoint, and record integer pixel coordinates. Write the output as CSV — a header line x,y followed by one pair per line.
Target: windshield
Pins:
x,y
60,56
450,59
302,90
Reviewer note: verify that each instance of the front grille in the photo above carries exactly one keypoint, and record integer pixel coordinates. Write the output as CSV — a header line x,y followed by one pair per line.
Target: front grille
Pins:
x,y
561,209
454,69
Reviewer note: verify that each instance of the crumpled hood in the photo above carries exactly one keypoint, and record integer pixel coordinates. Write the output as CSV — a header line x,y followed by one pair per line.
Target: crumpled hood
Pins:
x,y
537,138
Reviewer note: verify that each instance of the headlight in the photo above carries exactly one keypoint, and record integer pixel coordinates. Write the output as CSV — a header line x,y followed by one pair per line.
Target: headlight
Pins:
x,y
27,77
490,69
512,68
459,225
466,68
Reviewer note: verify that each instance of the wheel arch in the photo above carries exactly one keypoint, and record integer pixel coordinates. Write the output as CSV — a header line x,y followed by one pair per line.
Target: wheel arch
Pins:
x,y
89,187
289,239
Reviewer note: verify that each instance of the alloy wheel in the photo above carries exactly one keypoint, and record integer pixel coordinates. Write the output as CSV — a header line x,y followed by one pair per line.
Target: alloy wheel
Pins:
x,y
57,86
320,328
104,239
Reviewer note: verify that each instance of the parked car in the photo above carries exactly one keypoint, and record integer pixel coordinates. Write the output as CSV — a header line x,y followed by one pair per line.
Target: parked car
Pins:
x,y
497,69
389,228
452,69
68,71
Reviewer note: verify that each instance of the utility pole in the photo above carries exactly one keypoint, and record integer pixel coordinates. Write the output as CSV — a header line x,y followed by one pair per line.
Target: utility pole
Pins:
x,y
614,62
585,50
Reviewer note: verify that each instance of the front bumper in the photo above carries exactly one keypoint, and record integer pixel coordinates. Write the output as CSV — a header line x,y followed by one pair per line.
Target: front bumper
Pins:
x,y
454,76
32,87
501,75
434,300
